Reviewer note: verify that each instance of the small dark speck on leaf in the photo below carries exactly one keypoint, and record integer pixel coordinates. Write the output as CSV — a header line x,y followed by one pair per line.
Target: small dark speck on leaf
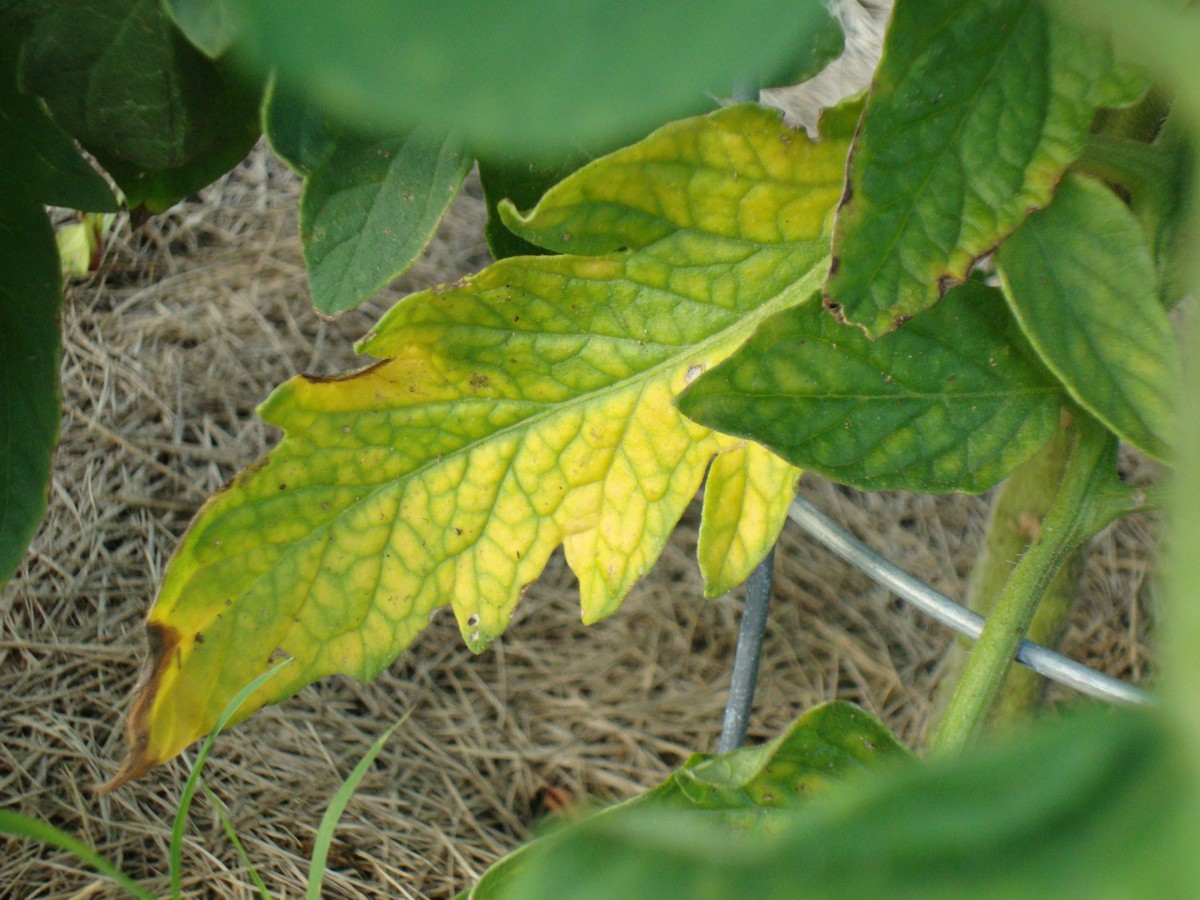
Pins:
x,y
199,638
458,531
479,382
283,487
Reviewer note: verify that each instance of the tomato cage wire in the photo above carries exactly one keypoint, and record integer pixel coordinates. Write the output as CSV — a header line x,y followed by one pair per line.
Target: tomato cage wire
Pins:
x,y
964,621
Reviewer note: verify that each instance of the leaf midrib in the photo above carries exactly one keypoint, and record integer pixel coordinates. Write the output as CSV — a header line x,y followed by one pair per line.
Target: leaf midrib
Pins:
x,y
801,289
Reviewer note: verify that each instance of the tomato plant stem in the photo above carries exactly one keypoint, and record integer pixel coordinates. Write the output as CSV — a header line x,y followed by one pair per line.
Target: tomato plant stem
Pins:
x,y
1020,505
1069,521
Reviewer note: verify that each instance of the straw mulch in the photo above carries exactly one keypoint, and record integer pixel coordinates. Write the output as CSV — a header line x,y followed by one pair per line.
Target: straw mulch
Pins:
x,y
187,326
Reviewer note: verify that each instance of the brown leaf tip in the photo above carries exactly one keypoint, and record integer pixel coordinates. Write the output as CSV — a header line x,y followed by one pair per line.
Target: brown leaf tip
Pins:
x,y
164,644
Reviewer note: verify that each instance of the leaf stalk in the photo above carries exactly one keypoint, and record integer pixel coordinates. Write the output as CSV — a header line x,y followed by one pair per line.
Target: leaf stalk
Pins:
x,y
1069,522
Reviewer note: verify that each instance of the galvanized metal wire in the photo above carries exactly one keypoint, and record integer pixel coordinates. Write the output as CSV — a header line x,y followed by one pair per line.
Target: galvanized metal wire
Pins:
x,y
1040,659
966,622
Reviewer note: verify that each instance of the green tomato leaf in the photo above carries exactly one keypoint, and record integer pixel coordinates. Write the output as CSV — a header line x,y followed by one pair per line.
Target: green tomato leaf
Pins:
x,y
211,25
524,79
231,139
119,77
1080,280
1095,806
523,408
976,111
297,132
30,348
744,790
1165,210
370,208
521,184
370,204
823,43
37,154
952,402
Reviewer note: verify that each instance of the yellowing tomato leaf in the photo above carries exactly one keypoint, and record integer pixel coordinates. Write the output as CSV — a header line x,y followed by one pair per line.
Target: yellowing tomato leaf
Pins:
x,y
516,410
747,495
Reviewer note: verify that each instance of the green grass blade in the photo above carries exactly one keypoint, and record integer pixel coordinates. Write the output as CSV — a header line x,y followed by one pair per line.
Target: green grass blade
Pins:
x,y
23,826
233,839
193,781
316,868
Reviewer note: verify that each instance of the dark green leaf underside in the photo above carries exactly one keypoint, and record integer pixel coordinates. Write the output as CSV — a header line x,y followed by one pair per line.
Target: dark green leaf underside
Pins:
x,y
370,208
158,115
39,158
30,296
529,78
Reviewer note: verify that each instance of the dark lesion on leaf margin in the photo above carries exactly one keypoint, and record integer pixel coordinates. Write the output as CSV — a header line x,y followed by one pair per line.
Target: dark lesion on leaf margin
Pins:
x,y
164,648
834,309
344,376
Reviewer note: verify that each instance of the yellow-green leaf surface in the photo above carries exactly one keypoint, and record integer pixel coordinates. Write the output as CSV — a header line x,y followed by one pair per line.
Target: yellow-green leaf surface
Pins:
x,y
747,497
516,410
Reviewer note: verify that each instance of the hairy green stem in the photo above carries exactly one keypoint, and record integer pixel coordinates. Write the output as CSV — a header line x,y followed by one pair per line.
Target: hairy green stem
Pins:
x,y
1070,520
1018,509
